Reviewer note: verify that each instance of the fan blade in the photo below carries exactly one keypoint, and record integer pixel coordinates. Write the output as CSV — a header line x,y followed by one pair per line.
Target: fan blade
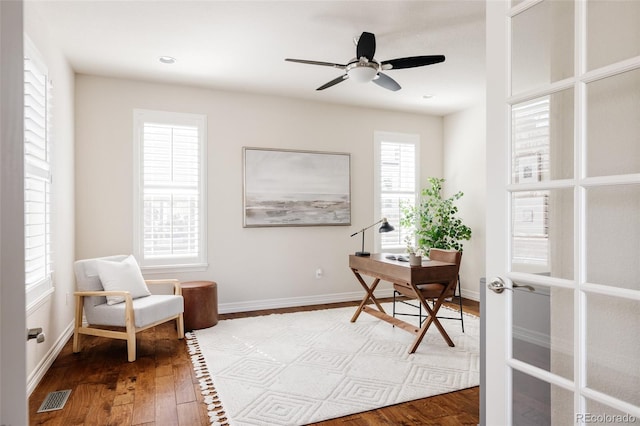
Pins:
x,y
411,62
387,82
326,64
333,82
366,46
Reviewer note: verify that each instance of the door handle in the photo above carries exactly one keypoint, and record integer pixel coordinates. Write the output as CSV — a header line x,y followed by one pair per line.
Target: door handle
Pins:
x,y
35,333
497,285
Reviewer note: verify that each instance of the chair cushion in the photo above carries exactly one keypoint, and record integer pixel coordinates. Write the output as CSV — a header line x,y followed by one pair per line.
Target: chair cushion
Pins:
x,y
87,278
429,291
122,276
147,310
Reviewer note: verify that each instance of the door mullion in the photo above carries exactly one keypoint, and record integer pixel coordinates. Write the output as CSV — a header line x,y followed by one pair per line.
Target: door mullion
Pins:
x,y
580,145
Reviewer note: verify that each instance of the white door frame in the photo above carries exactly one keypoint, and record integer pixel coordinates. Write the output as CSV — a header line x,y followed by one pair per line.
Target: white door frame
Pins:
x,y
495,324
13,375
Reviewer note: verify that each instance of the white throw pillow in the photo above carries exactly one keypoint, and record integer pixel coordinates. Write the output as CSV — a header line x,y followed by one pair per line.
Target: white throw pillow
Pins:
x,y
122,276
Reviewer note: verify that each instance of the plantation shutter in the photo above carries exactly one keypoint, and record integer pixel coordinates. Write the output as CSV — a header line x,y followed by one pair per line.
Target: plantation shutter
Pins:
x,y
531,149
37,174
171,191
397,187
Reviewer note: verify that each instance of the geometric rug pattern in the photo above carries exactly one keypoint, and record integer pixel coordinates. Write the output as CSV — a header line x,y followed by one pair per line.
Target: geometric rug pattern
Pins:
x,y
299,368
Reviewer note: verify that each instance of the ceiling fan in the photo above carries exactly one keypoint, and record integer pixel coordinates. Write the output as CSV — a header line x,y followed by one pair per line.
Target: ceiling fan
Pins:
x,y
364,68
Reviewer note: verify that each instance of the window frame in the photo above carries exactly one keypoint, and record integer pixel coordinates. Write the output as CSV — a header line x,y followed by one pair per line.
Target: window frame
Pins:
x,y
400,138
38,292
169,264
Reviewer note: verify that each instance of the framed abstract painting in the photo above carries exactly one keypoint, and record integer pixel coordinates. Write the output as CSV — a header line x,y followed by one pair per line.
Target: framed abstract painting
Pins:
x,y
296,188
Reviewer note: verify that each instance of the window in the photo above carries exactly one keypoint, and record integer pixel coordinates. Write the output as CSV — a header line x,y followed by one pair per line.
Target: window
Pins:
x,y
37,177
531,127
169,190
397,177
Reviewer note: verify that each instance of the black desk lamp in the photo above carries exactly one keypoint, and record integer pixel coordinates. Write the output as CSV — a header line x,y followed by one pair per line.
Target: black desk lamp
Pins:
x,y
386,227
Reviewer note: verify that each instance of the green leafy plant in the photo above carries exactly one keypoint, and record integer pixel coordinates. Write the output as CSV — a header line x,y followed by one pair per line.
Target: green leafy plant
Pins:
x,y
411,248
434,219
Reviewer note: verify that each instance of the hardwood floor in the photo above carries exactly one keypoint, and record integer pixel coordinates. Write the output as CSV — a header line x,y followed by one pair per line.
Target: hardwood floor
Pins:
x,y
160,387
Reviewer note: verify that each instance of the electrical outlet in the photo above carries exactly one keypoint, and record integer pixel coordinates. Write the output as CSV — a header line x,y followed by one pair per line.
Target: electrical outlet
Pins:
x,y
66,299
319,273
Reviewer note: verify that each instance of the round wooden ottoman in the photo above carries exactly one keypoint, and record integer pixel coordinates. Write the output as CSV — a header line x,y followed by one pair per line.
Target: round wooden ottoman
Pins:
x,y
200,304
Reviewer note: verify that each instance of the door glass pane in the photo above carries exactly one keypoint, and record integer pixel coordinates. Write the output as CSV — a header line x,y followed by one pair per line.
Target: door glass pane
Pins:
x,y
613,347
598,414
540,403
542,327
542,232
613,127
613,33
542,138
542,45
613,236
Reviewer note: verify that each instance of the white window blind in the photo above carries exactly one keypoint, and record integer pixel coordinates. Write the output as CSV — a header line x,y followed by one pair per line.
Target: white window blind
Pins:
x,y
37,174
531,136
171,217
398,176
532,153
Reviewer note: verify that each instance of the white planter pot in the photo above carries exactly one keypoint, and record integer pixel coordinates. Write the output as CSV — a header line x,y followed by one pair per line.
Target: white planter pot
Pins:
x,y
415,260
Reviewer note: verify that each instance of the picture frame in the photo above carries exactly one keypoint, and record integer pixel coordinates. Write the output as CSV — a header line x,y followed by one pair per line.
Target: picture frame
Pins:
x,y
528,168
285,187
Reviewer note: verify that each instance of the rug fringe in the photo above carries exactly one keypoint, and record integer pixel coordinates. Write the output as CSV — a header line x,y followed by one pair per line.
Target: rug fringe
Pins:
x,y
217,416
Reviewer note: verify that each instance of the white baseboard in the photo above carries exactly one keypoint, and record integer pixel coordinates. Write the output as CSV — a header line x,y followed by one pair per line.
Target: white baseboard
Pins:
x,y
41,369
288,302
534,337
471,295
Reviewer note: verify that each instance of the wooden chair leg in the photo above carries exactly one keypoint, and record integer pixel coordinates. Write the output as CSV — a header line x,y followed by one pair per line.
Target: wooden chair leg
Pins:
x,y
78,324
180,326
130,323
131,346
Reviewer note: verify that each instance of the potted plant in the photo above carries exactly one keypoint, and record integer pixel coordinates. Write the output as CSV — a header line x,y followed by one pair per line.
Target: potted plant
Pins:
x,y
434,219
415,254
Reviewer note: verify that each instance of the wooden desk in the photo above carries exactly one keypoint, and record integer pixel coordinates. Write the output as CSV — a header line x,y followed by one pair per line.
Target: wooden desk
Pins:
x,y
380,268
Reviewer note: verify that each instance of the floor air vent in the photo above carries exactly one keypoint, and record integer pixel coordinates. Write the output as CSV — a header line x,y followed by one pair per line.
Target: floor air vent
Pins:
x,y
54,401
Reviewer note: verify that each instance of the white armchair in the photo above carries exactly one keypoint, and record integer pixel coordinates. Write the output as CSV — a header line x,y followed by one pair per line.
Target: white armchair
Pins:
x,y
103,305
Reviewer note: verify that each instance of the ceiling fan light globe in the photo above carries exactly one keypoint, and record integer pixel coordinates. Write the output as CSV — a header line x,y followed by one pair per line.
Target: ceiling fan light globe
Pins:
x,y
362,74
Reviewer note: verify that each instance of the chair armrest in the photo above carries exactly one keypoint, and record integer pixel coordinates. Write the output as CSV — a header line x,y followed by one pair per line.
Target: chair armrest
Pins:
x,y
102,293
177,289
129,314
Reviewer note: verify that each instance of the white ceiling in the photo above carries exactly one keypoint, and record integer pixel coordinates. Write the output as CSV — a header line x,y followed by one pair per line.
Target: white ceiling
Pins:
x,y
241,46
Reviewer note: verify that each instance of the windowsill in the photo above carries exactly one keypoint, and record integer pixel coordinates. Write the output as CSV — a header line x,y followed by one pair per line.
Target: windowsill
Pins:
x,y
37,295
170,269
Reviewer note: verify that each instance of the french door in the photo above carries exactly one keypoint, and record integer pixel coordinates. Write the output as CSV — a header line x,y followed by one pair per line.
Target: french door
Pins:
x,y
563,227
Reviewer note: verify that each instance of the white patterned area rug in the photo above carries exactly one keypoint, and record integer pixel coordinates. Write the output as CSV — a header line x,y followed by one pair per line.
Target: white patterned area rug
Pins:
x,y
304,367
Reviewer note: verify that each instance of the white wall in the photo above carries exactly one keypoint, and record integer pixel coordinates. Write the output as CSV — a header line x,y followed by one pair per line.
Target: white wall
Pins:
x,y
464,170
254,267
55,313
